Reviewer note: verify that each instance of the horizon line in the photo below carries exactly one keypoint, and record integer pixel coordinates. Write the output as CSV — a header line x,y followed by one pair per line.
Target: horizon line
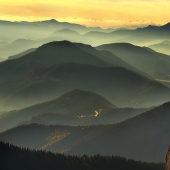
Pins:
x,y
55,20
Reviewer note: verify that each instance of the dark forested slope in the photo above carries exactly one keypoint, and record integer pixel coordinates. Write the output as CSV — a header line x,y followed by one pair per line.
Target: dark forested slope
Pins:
x,y
13,157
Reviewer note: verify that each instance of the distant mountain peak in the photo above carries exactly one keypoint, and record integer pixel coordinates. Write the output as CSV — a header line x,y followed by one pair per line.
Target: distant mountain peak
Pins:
x,y
152,27
65,29
52,20
166,25
64,32
121,44
82,96
61,43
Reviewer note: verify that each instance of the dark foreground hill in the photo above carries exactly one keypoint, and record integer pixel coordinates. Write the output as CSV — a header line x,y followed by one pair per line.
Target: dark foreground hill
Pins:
x,y
144,137
13,157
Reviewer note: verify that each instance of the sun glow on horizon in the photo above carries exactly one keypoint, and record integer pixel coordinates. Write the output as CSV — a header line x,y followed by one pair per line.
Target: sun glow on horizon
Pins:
x,y
103,13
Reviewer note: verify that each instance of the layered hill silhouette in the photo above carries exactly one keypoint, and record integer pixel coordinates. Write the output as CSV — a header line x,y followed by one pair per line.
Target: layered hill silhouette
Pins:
x,y
143,36
144,137
154,64
52,30
92,35
118,85
140,36
66,25
55,68
77,99
40,29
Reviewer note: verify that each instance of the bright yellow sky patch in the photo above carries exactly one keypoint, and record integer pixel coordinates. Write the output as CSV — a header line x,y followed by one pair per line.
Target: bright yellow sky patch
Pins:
x,y
103,13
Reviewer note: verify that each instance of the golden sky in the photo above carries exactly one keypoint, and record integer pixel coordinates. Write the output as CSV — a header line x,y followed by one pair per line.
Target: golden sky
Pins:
x,y
103,13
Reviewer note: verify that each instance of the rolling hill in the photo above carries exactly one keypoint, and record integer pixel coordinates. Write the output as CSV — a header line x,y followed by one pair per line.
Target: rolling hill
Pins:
x,y
40,29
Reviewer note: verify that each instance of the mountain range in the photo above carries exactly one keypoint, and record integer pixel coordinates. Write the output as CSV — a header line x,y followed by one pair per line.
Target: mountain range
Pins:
x,y
52,30
84,91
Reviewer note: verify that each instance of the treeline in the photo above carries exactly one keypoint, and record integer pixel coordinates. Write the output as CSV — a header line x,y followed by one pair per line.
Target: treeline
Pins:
x,y
15,158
